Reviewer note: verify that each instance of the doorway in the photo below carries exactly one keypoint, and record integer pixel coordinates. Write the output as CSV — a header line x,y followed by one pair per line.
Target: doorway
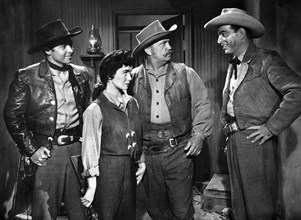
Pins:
x,y
128,26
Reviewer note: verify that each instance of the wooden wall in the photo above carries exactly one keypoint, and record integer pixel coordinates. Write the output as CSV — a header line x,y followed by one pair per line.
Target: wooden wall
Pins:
x,y
19,19
14,40
289,46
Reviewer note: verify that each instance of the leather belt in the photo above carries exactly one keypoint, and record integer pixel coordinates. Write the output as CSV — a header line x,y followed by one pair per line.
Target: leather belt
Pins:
x,y
161,133
66,136
231,127
161,148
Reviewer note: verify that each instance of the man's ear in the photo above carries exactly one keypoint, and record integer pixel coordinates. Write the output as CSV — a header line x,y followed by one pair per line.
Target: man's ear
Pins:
x,y
148,51
242,32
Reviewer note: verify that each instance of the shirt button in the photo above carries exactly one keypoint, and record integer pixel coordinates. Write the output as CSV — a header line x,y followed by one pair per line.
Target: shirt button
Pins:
x,y
51,119
157,91
157,103
157,116
157,80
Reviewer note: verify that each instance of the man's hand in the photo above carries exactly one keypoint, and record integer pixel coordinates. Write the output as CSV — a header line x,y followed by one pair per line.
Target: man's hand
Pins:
x,y
262,133
194,146
89,195
140,172
40,156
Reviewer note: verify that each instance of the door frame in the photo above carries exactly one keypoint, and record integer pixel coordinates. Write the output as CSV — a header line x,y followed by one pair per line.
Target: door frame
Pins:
x,y
187,22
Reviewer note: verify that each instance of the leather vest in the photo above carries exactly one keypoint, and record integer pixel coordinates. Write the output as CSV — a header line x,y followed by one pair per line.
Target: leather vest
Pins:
x,y
176,94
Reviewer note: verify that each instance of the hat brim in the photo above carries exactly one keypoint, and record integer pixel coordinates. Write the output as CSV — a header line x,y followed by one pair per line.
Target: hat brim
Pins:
x,y
72,32
244,20
152,39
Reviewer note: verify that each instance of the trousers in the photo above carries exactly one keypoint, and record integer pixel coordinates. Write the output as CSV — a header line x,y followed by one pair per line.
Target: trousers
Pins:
x,y
56,182
168,184
253,177
115,196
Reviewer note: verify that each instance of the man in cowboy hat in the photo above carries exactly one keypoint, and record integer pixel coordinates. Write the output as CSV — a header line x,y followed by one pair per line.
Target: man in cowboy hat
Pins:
x,y
43,114
176,116
261,98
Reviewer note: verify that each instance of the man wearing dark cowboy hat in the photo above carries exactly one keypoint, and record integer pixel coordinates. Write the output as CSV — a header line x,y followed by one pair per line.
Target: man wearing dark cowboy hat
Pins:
x,y
176,116
261,98
43,114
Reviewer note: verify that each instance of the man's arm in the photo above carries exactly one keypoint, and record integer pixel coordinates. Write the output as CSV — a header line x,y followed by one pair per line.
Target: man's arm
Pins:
x,y
14,115
201,113
288,83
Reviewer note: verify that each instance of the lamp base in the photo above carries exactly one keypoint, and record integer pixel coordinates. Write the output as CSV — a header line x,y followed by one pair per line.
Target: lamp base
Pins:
x,y
95,50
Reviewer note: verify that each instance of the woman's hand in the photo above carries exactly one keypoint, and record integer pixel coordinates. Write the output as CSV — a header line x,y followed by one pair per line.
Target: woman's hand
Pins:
x,y
140,172
89,195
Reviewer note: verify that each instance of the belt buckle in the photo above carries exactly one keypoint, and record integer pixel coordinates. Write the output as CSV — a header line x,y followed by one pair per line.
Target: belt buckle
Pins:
x,y
64,139
172,142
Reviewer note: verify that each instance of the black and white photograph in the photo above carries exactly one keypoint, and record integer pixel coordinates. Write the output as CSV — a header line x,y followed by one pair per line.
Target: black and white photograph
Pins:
x,y
150,110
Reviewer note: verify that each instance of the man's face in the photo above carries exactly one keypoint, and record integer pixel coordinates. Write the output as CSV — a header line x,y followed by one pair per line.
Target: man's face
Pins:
x,y
229,39
61,54
122,78
161,50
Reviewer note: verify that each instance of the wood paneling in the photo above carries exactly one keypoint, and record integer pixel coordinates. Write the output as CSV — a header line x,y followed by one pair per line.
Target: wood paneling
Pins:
x,y
289,46
19,19
14,41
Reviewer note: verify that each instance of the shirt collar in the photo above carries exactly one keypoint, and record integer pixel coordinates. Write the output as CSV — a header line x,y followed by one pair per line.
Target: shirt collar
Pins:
x,y
150,70
122,105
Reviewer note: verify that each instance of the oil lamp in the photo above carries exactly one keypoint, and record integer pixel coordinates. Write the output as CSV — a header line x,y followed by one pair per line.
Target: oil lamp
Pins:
x,y
94,41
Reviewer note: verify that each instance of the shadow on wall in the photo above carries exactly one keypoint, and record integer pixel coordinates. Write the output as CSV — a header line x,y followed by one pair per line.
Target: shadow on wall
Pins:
x,y
217,139
8,176
290,171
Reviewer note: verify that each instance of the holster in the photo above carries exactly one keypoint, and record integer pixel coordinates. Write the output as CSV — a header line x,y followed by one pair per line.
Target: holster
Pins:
x,y
30,170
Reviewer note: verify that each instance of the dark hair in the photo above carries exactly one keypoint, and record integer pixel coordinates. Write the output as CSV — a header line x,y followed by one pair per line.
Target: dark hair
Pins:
x,y
112,62
248,32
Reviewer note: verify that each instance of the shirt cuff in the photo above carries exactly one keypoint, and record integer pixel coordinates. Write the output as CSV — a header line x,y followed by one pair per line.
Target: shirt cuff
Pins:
x,y
198,135
94,171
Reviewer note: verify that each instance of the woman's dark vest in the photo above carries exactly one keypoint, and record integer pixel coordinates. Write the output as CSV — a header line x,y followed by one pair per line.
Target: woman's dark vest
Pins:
x,y
116,124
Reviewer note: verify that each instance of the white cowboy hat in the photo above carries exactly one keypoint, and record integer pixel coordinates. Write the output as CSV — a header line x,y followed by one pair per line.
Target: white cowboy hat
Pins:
x,y
235,16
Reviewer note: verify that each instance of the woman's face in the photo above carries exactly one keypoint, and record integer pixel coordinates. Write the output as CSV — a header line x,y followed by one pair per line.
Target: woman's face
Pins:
x,y
122,77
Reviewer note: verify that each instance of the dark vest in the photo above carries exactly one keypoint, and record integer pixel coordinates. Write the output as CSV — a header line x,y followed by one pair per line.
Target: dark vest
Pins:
x,y
177,97
116,124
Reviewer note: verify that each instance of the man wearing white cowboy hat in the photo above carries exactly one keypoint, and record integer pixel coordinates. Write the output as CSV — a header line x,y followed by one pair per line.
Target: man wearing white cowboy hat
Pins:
x,y
261,98
176,117
43,114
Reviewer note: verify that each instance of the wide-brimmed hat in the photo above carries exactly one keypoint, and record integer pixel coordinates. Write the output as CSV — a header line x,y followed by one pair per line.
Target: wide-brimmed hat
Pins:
x,y
235,16
151,34
49,33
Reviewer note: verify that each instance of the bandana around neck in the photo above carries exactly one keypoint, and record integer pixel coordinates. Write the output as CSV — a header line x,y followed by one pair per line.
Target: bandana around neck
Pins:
x,y
59,68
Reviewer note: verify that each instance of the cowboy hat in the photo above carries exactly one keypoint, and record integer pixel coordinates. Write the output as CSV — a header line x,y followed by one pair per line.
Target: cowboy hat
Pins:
x,y
151,34
235,16
52,32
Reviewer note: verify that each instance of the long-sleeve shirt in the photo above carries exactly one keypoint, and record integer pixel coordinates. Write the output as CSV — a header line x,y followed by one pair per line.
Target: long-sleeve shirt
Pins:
x,y
93,131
